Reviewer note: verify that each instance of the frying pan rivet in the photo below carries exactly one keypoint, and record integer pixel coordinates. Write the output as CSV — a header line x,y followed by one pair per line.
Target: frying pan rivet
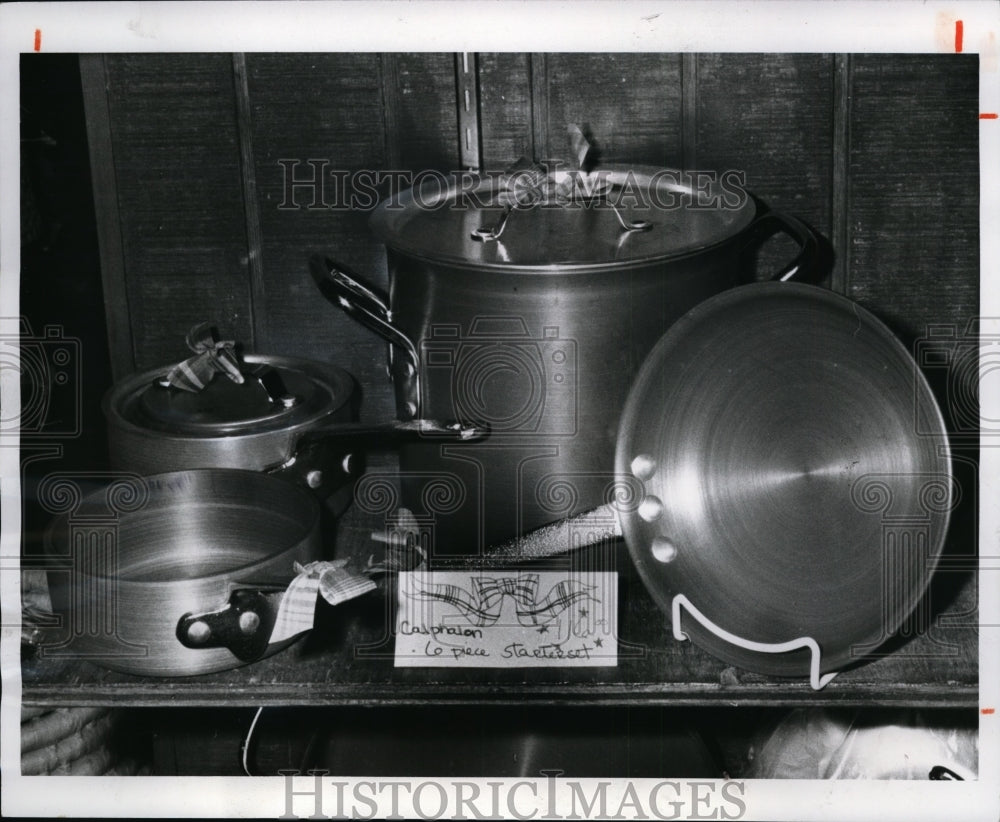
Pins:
x,y
651,508
643,466
347,463
314,479
199,632
249,621
664,550
411,410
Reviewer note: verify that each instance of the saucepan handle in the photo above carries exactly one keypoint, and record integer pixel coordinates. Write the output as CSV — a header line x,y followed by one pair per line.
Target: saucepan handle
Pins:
x,y
243,626
323,458
807,259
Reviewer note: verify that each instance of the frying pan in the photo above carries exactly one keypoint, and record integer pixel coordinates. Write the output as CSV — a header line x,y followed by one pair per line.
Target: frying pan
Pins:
x,y
790,515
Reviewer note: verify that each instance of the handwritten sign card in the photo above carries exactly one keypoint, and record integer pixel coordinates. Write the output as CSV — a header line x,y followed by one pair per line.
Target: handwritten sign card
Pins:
x,y
507,619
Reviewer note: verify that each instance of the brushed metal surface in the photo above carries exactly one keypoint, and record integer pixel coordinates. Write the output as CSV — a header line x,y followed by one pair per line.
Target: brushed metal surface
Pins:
x,y
197,536
688,214
774,428
145,449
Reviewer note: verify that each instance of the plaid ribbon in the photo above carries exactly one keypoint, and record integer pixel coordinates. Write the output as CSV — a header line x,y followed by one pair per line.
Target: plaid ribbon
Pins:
x,y
332,580
527,183
211,357
482,605
337,584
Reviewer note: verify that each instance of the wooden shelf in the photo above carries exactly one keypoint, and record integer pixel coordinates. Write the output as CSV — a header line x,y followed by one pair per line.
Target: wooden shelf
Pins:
x,y
347,660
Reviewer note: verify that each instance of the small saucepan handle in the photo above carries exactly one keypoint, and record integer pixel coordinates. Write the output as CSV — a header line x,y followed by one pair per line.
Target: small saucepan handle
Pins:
x,y
243,626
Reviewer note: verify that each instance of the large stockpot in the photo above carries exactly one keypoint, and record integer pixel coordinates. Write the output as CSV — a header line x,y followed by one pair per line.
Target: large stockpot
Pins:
x,y
178,573
534,321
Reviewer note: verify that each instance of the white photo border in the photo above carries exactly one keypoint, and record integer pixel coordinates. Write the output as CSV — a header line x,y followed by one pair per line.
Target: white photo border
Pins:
x,y
829,26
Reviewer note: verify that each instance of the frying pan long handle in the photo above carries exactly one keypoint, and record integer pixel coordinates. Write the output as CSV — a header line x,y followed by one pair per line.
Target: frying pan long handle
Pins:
x,y
807,259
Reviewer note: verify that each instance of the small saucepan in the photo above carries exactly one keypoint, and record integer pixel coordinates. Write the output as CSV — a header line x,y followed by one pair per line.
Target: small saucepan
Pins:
x,y
289,415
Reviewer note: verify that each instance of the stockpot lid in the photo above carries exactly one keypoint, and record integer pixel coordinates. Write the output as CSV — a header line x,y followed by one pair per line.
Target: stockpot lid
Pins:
x,y
689,212
277,393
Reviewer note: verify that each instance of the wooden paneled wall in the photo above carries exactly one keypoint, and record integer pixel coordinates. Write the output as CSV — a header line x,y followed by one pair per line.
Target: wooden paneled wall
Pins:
x,y
194,156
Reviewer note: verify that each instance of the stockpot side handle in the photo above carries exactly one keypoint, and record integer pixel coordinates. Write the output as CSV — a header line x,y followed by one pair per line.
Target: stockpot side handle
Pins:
x,y
806,261
365,305
243,626
816,679
330,275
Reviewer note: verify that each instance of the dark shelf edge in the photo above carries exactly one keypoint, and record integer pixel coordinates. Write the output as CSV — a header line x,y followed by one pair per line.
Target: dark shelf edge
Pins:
x,y
179,695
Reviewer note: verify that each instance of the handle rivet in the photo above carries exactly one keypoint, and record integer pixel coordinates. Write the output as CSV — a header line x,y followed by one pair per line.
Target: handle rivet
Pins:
x,y
651,508
347,463
314,479
664,550
249,621
199,632
411,410
643,466
409,370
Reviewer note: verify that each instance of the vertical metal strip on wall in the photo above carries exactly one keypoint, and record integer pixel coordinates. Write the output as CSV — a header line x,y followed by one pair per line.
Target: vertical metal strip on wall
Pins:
x,y
840,184
538,69
689,110
94,80
251,205
389,83
467,91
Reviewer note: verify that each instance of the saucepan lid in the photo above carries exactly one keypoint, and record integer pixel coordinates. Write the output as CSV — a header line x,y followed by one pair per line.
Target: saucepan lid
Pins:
x,y
791,513
275,393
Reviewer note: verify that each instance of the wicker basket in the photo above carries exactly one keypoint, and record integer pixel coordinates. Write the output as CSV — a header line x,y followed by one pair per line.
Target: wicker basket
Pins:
x,y
73,742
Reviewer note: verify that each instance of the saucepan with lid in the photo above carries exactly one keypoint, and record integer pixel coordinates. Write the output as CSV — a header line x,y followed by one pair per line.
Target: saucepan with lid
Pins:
x,y
256,412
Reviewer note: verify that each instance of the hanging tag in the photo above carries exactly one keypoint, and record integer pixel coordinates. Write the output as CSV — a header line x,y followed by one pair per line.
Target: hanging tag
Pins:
x,y
297,612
